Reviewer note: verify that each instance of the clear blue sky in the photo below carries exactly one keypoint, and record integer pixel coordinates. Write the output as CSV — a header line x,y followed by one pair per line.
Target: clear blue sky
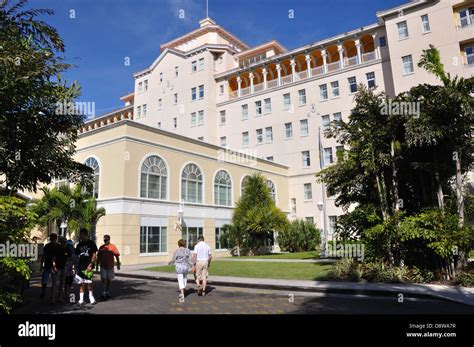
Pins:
x,y
104,32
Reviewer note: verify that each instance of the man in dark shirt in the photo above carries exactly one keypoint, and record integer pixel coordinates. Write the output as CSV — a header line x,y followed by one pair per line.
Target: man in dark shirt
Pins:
x,y
62,257
48,266
86,252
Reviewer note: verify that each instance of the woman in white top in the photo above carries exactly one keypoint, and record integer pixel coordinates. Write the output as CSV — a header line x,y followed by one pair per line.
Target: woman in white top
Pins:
x,y
183,262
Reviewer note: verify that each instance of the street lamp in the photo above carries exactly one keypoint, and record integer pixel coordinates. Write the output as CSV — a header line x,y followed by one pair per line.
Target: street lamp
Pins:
x,y
323,234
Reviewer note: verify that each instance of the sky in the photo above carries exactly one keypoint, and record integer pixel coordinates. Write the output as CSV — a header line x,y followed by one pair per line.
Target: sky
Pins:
x,y
100,35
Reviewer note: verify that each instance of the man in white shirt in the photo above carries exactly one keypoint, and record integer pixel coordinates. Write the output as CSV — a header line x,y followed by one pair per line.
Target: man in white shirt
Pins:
x,y
202,260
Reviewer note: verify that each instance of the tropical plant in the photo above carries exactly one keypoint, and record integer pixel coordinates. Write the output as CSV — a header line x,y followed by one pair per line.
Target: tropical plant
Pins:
x,y
299,236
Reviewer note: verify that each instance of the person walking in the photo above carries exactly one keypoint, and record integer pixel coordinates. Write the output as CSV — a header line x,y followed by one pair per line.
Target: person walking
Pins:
x,y
69,273
183,262
64,253
48,266
105,258
202,260
86,254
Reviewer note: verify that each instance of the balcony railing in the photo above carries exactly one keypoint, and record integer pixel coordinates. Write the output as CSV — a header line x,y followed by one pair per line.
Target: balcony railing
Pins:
x,y
316,71
466,22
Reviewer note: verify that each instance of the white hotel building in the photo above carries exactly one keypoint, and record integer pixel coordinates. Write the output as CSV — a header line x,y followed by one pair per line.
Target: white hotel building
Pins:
x,y
157,158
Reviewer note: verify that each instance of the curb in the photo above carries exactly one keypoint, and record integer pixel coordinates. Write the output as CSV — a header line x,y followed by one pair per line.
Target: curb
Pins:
x,y
369,292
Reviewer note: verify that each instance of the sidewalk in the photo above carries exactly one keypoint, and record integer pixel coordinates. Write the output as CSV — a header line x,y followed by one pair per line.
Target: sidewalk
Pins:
x,y
452,293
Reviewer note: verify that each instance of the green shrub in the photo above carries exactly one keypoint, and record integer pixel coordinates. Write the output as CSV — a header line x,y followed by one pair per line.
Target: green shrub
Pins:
x,y
418,275
346,269
299,236
466,279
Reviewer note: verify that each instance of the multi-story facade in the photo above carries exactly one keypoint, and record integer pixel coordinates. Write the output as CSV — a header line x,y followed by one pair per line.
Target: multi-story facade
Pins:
x,y
208,91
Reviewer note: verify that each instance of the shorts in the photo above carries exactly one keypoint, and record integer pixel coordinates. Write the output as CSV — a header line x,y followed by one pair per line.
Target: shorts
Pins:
x,y
107,274
80,280
202,269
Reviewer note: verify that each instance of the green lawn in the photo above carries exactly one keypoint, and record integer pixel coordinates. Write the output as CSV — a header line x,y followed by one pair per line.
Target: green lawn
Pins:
x,y
296,255
471,254
290,271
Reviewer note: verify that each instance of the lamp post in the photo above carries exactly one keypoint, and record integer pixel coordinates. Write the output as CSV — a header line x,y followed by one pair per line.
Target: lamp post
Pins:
x,y
323,234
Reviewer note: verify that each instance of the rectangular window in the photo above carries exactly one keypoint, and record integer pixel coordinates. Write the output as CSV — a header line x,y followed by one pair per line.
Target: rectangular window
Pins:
x,y
425,21
201,64
191,235
370,79
304,127
194,66
245,139
153,239
268,105
223,117
201,118
328,159
407,65
288,130
352,84
139,111
306,158
193,94
270,158
286,101
245,111
193,119
176,71
160,104
223,141
335,89
175,122
382,41
332,224
293,205
258,108
337,117
323,91
269,134
145,85
221,89
310,220
302,96
161,77
326,122
259,136
308,192
220,242
140,87
144,107
201,91
175,98
402,30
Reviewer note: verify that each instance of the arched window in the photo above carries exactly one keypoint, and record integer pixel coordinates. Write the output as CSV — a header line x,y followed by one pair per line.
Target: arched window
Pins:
x,y
94,165
153,181
191,184
222,189
271,185
242,185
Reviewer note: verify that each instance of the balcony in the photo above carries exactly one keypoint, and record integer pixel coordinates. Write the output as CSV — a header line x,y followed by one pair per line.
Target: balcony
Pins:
x,y
303,75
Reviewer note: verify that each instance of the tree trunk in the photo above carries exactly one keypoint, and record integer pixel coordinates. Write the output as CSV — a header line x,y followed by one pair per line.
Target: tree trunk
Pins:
x,y
459,195
396,197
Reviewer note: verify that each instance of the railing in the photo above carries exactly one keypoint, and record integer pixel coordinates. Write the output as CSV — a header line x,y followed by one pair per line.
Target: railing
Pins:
x,y
466,22
333,66
286,79
258,87
319,70
351,61
369,56
272,83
